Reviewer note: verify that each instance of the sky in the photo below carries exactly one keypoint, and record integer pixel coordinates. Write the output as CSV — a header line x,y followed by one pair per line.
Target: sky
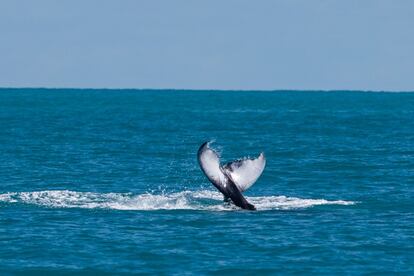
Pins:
x,y
214,44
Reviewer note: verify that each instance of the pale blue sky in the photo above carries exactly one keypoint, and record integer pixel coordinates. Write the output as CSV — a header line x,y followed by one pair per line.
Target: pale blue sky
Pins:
x,y
367,45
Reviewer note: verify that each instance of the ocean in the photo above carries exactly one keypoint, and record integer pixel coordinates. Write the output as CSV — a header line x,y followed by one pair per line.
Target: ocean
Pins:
x,y
107,182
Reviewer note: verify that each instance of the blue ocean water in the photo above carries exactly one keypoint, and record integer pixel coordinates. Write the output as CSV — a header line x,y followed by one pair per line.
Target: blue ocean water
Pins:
x,y
107,181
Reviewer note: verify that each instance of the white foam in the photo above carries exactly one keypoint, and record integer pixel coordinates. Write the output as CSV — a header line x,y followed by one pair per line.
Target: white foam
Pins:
x,y
186,200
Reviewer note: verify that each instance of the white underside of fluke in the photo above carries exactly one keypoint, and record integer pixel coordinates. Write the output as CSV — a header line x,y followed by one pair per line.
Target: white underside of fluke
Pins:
x,y
243,172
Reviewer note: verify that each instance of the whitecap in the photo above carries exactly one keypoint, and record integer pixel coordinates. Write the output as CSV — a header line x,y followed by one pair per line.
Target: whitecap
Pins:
x,y
186,200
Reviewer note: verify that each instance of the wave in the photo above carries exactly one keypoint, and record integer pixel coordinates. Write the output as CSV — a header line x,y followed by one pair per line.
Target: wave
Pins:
x,y
185,200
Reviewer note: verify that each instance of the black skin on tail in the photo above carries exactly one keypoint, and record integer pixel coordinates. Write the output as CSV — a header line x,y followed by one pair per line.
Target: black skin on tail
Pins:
x,y
237,197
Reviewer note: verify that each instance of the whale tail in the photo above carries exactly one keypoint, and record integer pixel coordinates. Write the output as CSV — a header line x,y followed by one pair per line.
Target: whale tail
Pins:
x,y
234,177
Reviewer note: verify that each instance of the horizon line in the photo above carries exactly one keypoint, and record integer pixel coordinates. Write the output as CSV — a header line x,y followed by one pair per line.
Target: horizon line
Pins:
x,y
198,89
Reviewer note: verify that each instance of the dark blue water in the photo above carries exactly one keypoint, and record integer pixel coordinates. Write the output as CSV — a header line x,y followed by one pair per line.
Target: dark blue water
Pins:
x,y
105,181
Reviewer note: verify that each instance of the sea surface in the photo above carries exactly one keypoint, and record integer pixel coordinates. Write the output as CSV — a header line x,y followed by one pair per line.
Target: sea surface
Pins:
x,y
107,181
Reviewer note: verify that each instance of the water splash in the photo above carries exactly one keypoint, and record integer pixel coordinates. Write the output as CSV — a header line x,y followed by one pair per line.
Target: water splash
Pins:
x,y
185,200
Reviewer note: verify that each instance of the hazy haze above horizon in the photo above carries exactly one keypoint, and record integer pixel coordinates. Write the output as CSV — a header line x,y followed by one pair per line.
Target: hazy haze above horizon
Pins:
x,y
249,45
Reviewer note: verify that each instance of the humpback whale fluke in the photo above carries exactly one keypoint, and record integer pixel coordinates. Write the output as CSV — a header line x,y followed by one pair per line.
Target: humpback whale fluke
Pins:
x,y
234,177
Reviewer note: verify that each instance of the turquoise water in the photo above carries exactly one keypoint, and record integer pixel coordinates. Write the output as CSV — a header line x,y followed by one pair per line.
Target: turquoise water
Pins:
x,y
107,181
